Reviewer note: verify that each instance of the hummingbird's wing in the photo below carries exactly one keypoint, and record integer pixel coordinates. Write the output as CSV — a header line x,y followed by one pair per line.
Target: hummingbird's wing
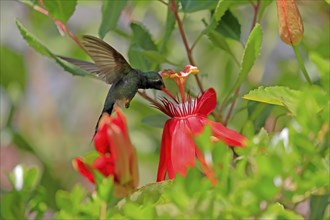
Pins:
x,y
87,66
111,65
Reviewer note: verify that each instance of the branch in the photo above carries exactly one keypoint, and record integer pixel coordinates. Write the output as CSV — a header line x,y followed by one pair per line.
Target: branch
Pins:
x,y
62,28
256,8
185,42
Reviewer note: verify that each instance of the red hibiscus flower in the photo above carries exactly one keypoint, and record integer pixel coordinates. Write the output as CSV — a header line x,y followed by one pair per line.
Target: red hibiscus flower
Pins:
x,y
188,117
117,156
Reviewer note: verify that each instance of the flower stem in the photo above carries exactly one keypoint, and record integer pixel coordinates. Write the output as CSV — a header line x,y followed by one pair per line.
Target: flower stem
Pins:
x,y
231,106
301,64
256,8
103,210
185,42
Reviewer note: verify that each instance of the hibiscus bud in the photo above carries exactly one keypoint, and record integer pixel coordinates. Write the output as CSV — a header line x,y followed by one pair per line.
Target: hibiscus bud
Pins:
x,y
290,22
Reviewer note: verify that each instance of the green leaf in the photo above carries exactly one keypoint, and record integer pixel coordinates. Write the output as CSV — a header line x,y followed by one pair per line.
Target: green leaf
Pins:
x,y
32,41
323,66
276,95
104,188
12,68
229,26
258,114
263,5
111,11
31,178
157,120
136,60
219,41
156,57
134,211
318,204
12,206
277,211
141,41
38,46
221,8
193,5
251,52
60,9
70,201
142,37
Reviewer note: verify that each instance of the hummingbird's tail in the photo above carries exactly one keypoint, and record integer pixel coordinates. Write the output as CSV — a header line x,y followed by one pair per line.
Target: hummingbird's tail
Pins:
x,y
107,109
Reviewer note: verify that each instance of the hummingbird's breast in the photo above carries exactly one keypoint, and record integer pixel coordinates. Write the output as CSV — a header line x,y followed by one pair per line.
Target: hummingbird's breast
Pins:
x,y
126,88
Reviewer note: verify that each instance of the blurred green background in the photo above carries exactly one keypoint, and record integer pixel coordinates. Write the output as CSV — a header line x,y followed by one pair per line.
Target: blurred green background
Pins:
x,y
48,116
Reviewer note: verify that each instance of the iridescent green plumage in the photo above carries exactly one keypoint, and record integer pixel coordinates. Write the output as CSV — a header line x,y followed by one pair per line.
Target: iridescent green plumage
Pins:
x,y
112,67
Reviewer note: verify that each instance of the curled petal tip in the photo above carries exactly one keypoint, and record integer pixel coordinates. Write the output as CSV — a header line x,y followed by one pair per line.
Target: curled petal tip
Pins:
x,y
190,69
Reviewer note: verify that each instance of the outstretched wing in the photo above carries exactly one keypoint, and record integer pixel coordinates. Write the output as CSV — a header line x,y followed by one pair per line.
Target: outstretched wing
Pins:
x,y
111,65
87,66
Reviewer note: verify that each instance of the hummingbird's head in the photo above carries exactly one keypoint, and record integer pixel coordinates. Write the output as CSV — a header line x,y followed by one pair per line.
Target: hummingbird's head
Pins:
x,y
154,81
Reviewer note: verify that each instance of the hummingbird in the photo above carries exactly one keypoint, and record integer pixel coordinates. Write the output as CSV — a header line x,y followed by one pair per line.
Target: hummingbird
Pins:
x,y
111,67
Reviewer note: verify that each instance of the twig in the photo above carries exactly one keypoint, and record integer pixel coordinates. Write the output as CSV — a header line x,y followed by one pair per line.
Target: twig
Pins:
x,y
231,106
256,8
185,42
197,39
60,25
162,1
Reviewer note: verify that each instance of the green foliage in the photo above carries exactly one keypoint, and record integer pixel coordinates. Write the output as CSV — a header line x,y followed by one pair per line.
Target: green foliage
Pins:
x,y
26,196
13,68
285,163
193,6
141,43
229,26
279,95
251,52
323,66
219,41
61,10
111,11
221,9
35,44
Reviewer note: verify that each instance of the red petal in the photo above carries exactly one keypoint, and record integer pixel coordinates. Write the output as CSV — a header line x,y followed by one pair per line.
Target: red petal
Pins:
x,y
101,141
182,148
166,141
196,123
84,169
209,172
207,102
105,165
230,137
120,121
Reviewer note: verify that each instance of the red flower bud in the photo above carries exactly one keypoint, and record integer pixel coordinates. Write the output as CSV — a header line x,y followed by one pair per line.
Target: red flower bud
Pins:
x,y
290,22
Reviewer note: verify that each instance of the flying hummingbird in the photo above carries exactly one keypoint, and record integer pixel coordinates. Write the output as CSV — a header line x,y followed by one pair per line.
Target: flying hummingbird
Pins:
x,y
112,67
